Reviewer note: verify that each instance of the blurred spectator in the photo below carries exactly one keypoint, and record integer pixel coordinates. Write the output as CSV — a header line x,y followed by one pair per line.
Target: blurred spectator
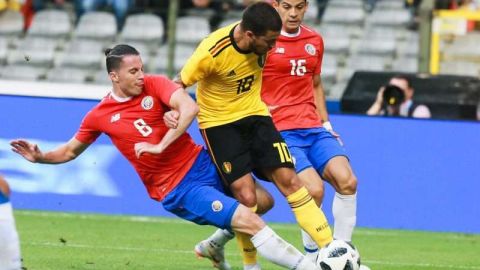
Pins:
x,y
220,8
9,4
413,6
478,111
390,102
322,5
42,4
120,8
369,5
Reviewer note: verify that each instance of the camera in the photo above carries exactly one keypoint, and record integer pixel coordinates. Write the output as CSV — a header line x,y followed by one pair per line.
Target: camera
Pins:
x,y
393,97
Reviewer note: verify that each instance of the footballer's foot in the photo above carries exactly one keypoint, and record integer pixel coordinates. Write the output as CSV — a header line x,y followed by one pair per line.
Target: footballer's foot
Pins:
x,y
364,267
216,255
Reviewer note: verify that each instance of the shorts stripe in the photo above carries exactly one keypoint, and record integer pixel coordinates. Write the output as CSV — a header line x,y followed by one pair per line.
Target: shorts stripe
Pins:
x,y
207,143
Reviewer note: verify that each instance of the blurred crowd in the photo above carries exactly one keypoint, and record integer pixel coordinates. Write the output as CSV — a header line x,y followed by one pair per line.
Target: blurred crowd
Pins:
x,y
218,8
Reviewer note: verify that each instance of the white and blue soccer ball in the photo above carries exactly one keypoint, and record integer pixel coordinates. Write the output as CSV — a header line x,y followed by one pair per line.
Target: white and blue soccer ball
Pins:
x,y
339,255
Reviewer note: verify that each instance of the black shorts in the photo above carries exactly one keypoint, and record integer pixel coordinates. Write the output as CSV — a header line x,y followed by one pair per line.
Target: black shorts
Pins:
x,y
246,145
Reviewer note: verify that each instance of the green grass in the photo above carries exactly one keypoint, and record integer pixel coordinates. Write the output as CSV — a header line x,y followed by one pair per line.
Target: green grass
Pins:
x,y
74,241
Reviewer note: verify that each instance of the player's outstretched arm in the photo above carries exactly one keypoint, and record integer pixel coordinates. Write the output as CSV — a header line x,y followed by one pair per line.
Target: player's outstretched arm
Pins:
x,y
61,154
187,110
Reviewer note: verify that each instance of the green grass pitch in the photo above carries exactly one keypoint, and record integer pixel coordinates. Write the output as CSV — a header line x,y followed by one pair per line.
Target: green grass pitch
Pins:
x,y
60,241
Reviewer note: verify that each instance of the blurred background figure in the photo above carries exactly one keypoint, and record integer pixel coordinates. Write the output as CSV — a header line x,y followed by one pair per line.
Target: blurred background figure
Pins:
x,y
9,242
321,6
120,8
9,4
396,98
369,5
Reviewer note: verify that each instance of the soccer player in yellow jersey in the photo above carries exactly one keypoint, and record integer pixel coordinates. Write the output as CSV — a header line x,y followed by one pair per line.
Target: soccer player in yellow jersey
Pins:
x,y
237,127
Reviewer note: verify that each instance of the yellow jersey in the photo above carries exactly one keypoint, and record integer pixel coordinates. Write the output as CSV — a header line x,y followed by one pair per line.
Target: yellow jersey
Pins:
x,y
229,80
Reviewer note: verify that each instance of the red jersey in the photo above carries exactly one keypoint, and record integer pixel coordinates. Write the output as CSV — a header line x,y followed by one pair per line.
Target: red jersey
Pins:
x,y
287,86
128,121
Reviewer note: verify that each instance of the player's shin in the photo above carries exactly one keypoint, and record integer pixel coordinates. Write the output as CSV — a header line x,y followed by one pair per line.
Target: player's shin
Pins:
x,y
344,211
278,251
247,249
310,217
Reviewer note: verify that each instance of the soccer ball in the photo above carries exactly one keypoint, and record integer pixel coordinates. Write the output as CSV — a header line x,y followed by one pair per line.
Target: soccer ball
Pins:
x,y
339,255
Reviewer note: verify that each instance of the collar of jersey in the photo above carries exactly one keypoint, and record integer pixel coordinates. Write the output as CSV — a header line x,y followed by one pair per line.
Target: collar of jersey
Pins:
x,y
285,34
234,43
119,99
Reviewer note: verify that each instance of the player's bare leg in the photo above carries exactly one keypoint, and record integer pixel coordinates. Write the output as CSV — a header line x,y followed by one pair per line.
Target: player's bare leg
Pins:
x,y
265,200
213,246
243,189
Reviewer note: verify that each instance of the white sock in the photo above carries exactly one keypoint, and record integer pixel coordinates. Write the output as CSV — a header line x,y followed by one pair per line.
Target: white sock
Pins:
x,y
311,248
251,267
278,251
220,237
345,214
9,242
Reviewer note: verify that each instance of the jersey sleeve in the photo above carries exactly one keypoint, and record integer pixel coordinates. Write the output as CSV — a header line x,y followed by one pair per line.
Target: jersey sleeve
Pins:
x,y
88,133
163,88
320,48
198,66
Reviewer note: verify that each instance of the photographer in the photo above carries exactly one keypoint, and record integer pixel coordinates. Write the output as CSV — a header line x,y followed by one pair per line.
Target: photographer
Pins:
x,y
406,108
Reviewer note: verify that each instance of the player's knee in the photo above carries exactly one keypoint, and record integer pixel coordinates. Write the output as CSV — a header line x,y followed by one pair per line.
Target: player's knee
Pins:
x,y
347,184
246,197
289,183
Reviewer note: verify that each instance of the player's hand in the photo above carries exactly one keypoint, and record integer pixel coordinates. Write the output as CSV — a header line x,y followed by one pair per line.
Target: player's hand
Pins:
x,y
328,126
171,119
144,147
379,98
29,151
272,108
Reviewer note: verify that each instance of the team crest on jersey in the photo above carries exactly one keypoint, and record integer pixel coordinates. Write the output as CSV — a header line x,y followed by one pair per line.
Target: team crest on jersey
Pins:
x,y
310,49
147,103
217,206
261,60
227,167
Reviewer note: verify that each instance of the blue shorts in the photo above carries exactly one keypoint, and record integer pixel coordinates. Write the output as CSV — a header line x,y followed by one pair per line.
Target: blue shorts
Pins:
x,y
312,147
200,197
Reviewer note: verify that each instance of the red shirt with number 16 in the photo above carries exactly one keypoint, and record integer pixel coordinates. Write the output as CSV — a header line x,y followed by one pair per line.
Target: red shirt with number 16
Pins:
x,y
287,86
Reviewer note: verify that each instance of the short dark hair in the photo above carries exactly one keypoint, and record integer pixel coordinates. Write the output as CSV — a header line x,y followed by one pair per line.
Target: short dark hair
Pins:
x,y
260,18
403,77
279,1
116,54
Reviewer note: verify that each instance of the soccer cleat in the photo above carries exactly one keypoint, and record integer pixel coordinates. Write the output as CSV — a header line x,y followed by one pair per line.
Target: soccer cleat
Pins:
x,y
364,267
216,255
